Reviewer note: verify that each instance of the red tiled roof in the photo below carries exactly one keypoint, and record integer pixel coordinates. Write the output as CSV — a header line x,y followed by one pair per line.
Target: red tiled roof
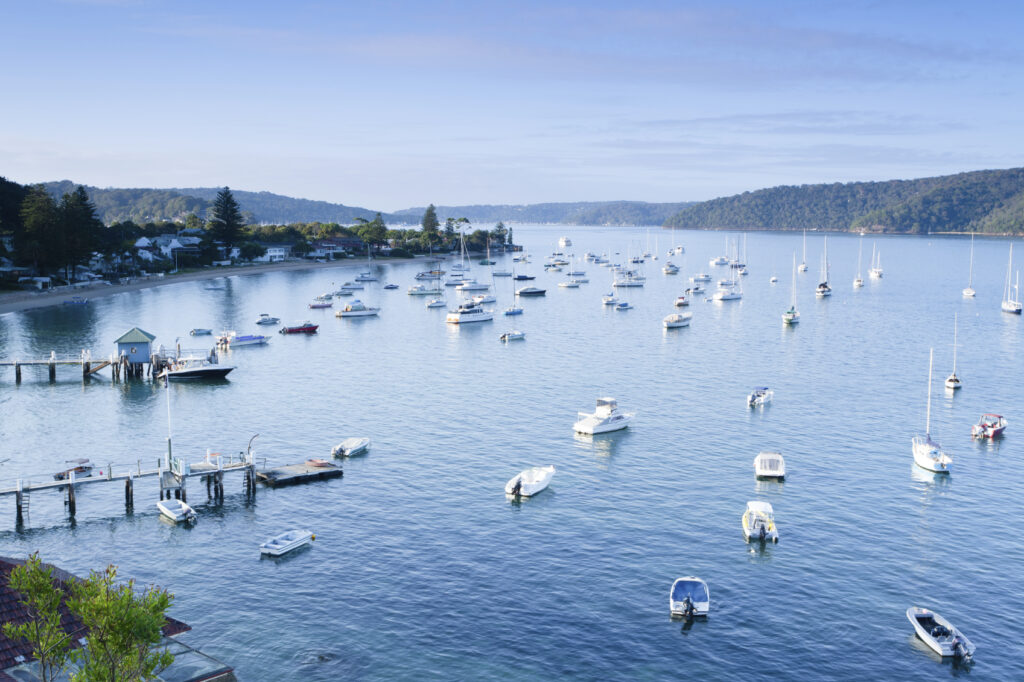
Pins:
x,y
13,611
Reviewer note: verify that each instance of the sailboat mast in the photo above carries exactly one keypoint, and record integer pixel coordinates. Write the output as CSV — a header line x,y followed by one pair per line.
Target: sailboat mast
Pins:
x,y
1009,268
970,276
928,417
805,247
792,288
954,342
860,250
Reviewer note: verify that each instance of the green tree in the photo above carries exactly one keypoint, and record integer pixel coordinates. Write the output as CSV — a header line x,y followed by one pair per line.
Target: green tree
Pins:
x,y
41,597
225,218
251,251
82,230
374,232
123,629
499,232
429,222
193,222
510,242
41,240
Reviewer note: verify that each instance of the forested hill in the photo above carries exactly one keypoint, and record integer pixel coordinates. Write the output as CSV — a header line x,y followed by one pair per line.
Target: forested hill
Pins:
x,y
979,201
575,213
154,205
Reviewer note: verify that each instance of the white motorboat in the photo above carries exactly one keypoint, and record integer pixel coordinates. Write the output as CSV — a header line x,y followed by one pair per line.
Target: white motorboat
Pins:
x,y
357,309
969,291
365,277
177,511
727,294
681,302
676,320
759,522
989,426
267,319
342,292
927,453
569,284
530,291
628,278
803,262
514,335
701,277
287,542
235,340
773,280
1011,304
695,289
484,298
769,465
609,299
423,290
319,305
727,283
193,367
530,482
939,634
467,313
670,269
791,316
689,597
564,242
762,395
352,286
876,271
437,303
607,417
953,381
350,447
720,260
471,285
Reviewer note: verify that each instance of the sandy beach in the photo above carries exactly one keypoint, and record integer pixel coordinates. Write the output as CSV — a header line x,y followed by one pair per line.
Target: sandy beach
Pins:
x,y
18,301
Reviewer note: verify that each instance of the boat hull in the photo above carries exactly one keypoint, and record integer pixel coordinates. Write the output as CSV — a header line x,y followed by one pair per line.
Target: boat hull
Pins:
x,y
943,642
199,373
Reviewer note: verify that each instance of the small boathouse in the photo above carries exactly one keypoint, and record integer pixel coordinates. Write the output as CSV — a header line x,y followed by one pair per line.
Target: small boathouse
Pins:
x,y
134,349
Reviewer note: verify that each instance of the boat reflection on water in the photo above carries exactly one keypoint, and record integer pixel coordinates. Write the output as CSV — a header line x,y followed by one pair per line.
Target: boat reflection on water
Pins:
x,y
932,478
769,485
602,445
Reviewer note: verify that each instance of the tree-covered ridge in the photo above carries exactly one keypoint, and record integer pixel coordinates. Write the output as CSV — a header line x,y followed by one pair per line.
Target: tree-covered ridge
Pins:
x,y
978,201
267,207
573,213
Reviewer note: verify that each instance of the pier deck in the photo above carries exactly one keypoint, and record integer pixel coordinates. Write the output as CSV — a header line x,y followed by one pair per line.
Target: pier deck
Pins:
x,y
292,474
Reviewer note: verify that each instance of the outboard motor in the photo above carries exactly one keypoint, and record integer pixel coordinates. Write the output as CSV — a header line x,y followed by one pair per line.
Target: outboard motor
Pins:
x,y
689,611
764,533
960,649
517,487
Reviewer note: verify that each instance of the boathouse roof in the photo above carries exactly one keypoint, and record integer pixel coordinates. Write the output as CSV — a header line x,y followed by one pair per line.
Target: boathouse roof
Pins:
x,y
136,335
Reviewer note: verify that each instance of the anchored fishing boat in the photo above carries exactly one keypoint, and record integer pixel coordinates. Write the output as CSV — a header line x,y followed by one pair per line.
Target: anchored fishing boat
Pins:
x,y
530,482
939,634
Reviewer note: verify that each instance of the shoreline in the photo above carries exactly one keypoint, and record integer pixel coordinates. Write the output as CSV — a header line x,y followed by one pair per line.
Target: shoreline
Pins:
x,y
23,301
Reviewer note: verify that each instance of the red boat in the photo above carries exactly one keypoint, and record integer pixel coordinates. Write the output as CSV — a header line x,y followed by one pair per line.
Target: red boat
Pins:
x,y
303,328
989,426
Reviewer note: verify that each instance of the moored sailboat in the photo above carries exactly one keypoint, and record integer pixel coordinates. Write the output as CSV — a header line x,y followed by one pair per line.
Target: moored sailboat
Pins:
x,y
927,453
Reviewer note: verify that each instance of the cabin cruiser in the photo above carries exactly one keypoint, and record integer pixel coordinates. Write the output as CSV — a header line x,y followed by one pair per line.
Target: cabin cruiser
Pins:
x,y
628,278
701,277
989,426
315,305
569,284
939,634
681,301
676,320
193,367
471,285
357,309
670,269
607,417
267,319
484,298
524,278
721,260
689,597
306,327
287,542
177,511
234,340
469,312
762,395
769,465
530,291
530,482
437,303
759,522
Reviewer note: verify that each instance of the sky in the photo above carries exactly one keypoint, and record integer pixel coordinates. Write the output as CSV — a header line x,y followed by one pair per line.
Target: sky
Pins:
x,y
388,105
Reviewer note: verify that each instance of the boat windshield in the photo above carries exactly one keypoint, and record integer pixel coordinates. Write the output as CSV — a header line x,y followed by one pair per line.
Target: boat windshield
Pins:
x,y
696,591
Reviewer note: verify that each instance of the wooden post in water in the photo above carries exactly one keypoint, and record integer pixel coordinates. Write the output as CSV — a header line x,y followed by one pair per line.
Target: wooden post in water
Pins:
x,y
17,372
18,501
53,366
129,493
71,493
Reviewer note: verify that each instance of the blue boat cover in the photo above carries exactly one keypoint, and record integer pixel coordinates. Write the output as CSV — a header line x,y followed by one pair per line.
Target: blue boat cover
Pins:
x,y
696,591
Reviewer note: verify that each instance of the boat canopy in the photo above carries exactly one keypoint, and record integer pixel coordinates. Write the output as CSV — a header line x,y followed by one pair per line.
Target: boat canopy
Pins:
x,y
696,590
760,507
994,416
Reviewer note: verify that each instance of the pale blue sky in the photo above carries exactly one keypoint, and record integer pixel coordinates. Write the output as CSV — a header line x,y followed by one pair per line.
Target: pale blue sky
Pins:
x,y
394,104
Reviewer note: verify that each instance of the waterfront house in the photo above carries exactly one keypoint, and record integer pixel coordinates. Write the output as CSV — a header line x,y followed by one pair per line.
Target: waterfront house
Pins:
x,y
275,252
17,664
335,247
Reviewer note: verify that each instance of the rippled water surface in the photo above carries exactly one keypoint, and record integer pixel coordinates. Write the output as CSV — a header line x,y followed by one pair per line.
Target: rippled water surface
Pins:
x,y
422,568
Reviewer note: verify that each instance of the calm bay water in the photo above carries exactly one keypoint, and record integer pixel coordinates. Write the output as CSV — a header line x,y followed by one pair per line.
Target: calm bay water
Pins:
x,y
422,569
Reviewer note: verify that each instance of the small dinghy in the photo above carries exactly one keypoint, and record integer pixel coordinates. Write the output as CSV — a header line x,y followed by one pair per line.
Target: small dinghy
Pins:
x,y
769,465
177,511
350,446
759,522
762,395
514,335
390,286
80,467
939,634
989,426
676,320
530,482
287,542
689,597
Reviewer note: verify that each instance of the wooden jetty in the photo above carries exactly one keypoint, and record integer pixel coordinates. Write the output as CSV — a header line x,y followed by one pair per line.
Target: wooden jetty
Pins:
x,y
298,473
83,360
